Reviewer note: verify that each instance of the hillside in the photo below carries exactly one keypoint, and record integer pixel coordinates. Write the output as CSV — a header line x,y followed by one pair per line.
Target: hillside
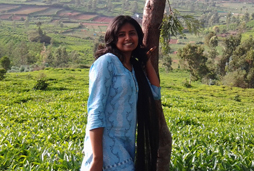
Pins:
x,y
79,25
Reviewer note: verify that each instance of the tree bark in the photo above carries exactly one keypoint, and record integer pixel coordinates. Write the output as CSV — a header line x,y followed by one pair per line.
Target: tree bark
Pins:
x,y
152,19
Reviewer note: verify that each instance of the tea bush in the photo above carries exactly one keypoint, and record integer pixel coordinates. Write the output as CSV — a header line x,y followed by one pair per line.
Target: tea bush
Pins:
x,y
44,130
41,83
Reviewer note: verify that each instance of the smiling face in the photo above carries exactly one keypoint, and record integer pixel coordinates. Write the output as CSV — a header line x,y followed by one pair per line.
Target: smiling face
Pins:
x,y
127,39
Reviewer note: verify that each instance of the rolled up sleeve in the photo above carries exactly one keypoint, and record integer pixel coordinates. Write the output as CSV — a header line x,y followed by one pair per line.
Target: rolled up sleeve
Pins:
x,y
156,92
100,79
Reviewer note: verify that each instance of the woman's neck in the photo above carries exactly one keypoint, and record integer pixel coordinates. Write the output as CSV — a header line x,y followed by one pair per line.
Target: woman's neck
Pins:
x,y
127,62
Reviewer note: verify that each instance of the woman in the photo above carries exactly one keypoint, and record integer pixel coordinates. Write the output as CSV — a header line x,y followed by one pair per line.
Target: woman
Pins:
x,y
122,96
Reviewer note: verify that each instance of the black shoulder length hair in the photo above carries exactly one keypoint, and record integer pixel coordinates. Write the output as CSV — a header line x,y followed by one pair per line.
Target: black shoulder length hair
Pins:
x,y
111,39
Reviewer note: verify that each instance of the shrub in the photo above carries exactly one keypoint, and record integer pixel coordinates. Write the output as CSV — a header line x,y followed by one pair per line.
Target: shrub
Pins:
x,y
237,98
5,62
14,69
82,66
38,68
41,83
27,69
235,79
167,62
187,84
22,69
2,73
39,36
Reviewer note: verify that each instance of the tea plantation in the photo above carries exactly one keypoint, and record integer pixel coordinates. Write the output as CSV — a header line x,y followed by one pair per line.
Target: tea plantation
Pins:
x,y
212,126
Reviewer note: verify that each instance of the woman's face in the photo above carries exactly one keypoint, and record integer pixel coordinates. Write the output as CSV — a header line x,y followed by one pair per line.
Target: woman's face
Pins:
x,y
127,39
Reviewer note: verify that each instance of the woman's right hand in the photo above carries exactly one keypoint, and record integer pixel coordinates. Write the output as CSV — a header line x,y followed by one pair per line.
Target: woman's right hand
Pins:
x,y
96,165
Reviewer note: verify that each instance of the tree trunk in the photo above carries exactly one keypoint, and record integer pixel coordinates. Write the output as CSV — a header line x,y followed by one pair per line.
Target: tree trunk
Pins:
x,y
152,18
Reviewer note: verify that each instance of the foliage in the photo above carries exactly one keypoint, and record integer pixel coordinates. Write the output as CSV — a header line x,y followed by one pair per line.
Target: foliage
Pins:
x,y
2,73
235,78
230,44
246,17
167,62
194,56
211,64
212,54
237,98
39,36
174,24
187,84
5,62
216,29
23,52
44,130
209,41
242,61
210,18
60,56
41,83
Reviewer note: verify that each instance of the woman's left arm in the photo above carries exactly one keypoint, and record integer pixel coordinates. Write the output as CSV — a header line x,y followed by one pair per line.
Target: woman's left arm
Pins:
x,y
151,74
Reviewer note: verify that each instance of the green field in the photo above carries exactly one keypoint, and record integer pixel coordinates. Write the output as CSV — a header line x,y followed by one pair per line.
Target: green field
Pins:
x,y
211,126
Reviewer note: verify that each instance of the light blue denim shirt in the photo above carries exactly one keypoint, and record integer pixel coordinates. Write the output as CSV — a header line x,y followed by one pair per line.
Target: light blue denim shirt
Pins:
x,y
113,94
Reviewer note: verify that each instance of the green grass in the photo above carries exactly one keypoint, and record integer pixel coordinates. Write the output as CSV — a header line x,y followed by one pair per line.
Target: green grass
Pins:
x,y
212,126
42,129
211,129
